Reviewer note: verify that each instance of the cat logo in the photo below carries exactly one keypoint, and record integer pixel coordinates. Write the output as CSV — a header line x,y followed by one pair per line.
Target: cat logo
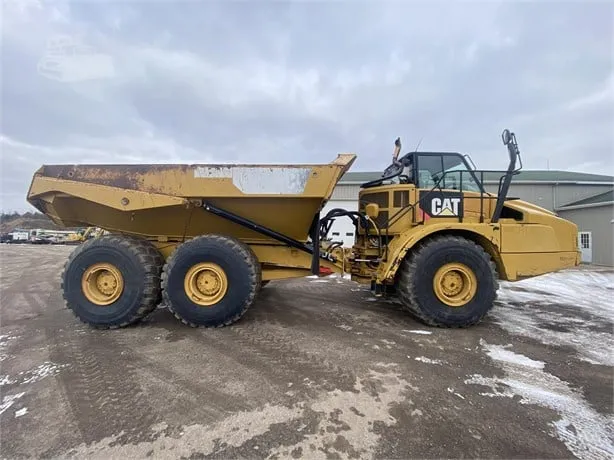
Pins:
x,y
441,204
445,207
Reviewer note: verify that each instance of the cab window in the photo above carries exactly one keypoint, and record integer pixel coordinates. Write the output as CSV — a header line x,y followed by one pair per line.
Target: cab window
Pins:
x,y
453,166
445,172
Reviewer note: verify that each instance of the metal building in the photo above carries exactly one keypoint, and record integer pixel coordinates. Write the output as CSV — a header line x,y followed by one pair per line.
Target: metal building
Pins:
x,y
594,217
570,194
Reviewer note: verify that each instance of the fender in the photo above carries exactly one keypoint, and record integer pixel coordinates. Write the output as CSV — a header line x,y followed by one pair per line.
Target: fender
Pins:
x,y
400,246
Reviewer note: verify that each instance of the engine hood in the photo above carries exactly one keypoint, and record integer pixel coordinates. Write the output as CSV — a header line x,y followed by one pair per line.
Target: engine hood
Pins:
x,y
526,207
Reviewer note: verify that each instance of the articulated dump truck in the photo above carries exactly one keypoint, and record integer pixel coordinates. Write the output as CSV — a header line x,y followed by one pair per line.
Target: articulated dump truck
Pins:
x,y
205,239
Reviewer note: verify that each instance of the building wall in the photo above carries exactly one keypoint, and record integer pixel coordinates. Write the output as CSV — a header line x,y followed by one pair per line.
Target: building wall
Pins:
x,y
346,192
598,221
343,229
550,196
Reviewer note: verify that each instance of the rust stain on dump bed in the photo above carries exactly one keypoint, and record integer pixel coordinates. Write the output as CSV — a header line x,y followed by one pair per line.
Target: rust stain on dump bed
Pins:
x,y
131,177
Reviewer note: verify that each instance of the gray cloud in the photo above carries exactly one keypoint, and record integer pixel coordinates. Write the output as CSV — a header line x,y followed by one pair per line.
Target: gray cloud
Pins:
x,y
303,81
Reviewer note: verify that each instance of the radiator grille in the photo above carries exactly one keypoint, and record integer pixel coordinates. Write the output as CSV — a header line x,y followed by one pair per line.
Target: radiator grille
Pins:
x,y
381,199
401,198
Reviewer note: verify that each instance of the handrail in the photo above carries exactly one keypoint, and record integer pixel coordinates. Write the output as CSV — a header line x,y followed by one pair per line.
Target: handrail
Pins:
x,y
395,217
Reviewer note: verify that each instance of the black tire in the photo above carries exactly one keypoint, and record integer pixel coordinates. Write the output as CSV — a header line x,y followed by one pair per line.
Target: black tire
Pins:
x,y
140,266
415,283
240,267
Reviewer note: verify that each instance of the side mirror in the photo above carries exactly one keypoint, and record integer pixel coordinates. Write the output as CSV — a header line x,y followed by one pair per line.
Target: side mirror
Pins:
x,y
506,136
372,210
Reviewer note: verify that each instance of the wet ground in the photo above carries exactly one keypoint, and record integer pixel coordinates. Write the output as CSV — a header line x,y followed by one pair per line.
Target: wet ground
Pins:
x,y
318,368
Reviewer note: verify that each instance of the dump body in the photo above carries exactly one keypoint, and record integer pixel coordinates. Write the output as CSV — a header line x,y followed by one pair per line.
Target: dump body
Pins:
x,y
165,201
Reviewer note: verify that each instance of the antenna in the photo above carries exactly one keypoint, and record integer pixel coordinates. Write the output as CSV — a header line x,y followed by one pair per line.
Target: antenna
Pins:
x,y
419,142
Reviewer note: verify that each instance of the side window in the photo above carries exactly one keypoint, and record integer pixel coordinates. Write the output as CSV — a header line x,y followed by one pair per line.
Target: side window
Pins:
x,y
429,171
454,179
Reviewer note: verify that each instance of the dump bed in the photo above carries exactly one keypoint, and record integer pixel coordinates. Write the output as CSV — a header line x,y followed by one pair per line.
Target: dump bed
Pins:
x,y
167,199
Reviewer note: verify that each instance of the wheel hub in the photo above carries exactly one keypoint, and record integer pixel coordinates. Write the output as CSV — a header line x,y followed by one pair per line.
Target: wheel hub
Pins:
x,y
206,284
455,284
102,284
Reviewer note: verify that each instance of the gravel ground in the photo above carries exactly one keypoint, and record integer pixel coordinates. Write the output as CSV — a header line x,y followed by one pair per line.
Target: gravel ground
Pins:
x,y
318,368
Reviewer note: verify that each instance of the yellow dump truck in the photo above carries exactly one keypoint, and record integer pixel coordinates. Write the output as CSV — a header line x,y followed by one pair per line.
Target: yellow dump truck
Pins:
x,y
204,239
84,235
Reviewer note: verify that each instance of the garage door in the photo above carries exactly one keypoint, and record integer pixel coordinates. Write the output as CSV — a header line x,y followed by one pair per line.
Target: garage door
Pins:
x,y
343,228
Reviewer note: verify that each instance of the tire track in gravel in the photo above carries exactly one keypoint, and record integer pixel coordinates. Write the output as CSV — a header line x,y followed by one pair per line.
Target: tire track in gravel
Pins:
x,y
273,368
99,382
359,352
280,362
12,292
102,387
295,358
367,334
217,402
370,321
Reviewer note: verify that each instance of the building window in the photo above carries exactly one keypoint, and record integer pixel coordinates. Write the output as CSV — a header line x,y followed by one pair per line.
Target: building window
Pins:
x,y
585,241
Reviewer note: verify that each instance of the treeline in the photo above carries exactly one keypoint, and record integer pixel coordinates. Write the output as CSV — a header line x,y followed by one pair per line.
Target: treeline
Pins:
x,y
6,217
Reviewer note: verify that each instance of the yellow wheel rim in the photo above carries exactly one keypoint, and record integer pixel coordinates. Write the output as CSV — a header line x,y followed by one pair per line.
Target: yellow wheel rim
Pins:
x,y
206,284
455,284
102,284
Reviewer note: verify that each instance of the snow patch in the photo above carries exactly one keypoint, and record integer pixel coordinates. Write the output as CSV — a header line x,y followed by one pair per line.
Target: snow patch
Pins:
x,y
524,320
40,372
585,432
498,353
345,327
451,390
9,400
417,331
20,412
581,291
4,340
6,380
424,359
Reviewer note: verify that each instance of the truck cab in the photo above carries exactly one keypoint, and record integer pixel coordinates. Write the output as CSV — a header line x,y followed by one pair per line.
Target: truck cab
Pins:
x,y
423,194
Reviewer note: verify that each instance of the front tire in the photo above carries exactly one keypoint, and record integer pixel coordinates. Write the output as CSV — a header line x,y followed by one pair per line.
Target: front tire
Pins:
x,y
448,282
211,281
112,281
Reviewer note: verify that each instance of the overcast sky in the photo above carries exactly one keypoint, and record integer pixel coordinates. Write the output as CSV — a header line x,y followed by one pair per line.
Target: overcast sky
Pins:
x,y
299,82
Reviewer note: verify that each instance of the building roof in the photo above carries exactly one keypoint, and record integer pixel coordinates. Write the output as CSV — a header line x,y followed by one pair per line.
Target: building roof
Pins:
x,y
529,176
592,201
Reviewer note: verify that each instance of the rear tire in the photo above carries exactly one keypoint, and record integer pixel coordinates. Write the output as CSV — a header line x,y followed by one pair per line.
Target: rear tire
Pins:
x,y
112,281
211,281
448,281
